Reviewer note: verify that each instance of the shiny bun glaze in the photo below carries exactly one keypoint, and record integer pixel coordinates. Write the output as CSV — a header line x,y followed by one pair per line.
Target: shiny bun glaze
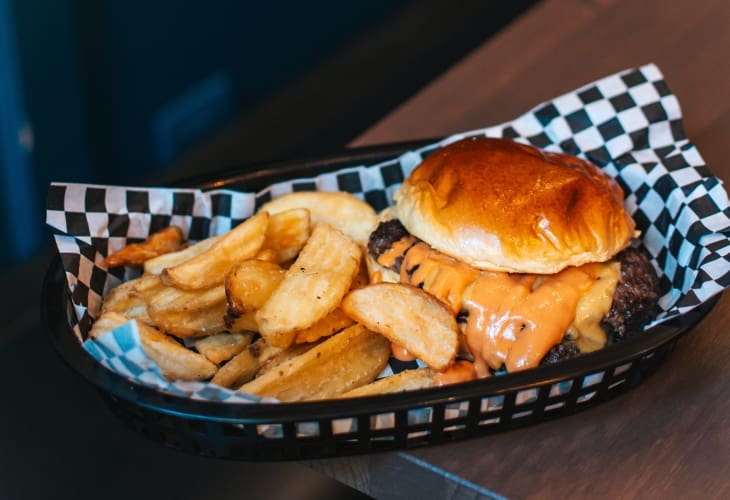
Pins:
x,y
500,205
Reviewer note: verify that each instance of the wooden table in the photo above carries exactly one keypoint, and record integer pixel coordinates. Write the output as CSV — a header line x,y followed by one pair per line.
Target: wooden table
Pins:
x,y
669,437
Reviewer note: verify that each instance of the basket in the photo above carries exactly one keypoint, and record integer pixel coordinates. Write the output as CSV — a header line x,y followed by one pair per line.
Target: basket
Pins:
x,y
296,431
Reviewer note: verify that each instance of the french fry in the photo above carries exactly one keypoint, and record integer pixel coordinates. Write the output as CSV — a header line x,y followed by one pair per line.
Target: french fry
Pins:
x,y
256,359
132,297
267,254
344,211
407,316
312,287
239,370
223,346
157,264
186,313
162,242
190,323
264,351
210,267
407,380
349,359
175,361
272,358
170,298
250,283
245,322
107,322
287,233
329,325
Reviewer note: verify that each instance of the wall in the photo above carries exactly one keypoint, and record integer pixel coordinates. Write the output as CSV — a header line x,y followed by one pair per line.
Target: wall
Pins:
x,y
115,89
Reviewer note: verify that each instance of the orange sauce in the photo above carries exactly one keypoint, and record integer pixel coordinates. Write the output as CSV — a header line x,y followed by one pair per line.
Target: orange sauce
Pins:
x,y
397,249
513,319
460,371
440,275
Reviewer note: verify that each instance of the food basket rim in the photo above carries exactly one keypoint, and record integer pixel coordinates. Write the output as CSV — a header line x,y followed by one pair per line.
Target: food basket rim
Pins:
x,y
55,300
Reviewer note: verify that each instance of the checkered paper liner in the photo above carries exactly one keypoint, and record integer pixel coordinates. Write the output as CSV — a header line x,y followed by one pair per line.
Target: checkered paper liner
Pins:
x,y
628,123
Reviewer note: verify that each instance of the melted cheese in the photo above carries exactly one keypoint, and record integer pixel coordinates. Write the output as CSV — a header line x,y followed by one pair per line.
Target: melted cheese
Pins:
x,y
593,306
513,320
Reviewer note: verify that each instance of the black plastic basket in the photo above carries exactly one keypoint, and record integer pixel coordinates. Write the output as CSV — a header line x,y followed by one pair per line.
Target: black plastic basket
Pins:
x,y
294,431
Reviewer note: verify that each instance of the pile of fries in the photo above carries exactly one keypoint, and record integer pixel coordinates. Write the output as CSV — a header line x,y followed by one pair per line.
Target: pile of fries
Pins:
x,y
282,305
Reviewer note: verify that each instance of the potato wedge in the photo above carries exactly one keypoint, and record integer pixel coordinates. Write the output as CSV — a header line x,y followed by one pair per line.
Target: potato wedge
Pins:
x,y
407,380
161,242
175,361
223,346
132,297
407,316
344,211
271,359
349,359
239,370
267,254
245,322
329,325
157,264
312,287
250,283
287,233
187,313
210,267
105,323
170,298
190,323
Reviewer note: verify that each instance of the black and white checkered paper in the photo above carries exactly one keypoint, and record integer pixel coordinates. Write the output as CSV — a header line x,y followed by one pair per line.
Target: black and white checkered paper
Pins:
x,y
628,123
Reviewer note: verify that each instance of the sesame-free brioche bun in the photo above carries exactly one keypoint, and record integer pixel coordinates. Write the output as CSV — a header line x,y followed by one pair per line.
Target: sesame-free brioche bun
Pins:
x,y
499,205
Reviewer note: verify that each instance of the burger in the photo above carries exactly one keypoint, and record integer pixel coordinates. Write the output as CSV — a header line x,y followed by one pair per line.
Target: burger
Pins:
x,y
532,251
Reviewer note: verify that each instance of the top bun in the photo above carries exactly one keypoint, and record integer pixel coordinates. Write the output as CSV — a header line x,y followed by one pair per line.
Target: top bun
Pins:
x,y
504,206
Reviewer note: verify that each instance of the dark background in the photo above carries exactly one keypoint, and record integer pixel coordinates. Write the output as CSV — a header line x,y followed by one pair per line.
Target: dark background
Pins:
x,y
133,92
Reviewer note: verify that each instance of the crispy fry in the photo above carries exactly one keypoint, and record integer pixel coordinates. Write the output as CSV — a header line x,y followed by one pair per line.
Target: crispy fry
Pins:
x,y
210,267
329,325
190,323
344,211
249,284
420,323
312,287
287,233
256,359
132,297
223,346
407,380
186,313
170,298
157,264
245,322
239,370
105,323
162,242
267,254
174,360
349,359
272,358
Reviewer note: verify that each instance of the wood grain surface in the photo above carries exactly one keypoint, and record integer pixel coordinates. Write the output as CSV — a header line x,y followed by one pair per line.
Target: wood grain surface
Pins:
x,y
669,437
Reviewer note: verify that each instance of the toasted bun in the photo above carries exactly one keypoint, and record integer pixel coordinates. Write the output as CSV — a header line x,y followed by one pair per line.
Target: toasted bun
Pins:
x,y
500,205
